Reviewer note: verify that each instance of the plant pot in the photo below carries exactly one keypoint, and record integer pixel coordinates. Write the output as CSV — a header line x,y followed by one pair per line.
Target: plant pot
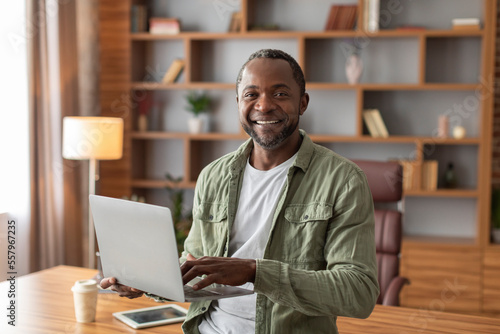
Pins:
x,y
495,233
195,125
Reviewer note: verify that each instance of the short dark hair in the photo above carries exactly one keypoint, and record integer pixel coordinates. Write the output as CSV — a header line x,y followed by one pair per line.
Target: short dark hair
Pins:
x,y
298,75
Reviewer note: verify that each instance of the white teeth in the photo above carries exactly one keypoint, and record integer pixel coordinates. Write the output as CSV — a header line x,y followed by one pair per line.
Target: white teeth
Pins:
x,y
266,122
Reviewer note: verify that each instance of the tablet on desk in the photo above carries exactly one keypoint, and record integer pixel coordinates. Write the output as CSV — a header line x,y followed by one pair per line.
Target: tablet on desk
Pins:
x,y
152,316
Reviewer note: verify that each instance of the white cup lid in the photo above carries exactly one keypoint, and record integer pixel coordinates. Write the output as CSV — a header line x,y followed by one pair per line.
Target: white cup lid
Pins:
x,y
86,285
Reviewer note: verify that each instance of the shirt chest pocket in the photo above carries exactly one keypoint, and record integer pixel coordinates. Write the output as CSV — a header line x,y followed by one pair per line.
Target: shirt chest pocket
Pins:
x,y
212,219
306,227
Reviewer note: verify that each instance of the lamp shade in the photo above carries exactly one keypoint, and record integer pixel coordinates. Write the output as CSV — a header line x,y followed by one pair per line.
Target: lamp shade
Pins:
x,y
99,138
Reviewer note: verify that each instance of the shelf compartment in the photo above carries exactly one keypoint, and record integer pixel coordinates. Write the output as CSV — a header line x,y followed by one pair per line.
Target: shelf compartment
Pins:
x,y
444,55
291,18
215,18
325,60
150,61
420,118
433,216
464,159
221,60
426,13
330,113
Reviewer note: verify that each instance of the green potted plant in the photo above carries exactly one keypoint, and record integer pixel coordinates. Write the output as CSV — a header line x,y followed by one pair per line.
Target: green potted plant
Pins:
x,y
182,218
495,215
197,104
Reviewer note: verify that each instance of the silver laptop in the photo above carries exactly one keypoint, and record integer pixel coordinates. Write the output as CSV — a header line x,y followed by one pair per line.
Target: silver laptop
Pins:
x,y
137,246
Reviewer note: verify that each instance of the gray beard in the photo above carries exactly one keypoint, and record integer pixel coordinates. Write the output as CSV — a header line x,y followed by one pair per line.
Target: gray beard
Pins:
x,y
272,143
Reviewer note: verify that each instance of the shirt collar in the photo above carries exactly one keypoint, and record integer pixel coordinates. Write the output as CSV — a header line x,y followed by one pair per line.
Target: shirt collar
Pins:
x,y
302,161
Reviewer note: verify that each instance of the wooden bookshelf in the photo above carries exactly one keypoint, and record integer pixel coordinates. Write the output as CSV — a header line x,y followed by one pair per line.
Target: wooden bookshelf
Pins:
x,y
417,72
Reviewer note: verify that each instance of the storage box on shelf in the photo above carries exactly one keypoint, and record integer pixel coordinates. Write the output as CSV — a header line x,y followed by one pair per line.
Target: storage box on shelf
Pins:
x,y
410,75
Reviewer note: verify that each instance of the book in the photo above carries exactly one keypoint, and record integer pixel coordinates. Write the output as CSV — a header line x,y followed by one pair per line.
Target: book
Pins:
x,y
341,17
429,178
466,23
235,24
372,15
174,71
370,124
162,25
375,123
138,18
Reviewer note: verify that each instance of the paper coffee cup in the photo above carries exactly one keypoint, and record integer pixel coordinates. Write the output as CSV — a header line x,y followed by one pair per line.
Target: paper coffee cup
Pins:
x,y
85,297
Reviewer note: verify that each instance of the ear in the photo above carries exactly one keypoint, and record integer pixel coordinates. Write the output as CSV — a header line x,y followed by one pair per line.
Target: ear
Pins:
x,y
304,102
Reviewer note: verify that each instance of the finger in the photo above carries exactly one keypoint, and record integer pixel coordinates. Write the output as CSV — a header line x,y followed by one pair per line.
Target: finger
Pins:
x,y
107,282
210,279
193,271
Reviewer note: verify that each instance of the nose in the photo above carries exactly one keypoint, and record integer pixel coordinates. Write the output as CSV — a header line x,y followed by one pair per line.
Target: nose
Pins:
x,y
264,103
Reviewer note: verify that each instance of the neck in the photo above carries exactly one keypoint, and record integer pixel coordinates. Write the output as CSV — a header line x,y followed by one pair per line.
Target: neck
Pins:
x,y
264,159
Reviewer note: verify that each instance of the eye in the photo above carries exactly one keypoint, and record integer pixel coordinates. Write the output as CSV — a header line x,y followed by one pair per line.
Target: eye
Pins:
x,y
249,94
280,94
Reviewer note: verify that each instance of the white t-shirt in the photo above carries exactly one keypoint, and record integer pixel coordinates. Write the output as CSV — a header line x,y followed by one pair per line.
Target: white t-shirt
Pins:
x,y
258,199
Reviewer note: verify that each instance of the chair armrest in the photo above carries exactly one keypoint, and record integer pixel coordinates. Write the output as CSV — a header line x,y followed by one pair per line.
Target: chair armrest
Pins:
x,y
391,297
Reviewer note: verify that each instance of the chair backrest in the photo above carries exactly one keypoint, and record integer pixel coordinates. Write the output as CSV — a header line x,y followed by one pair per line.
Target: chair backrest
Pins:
x,y
385,181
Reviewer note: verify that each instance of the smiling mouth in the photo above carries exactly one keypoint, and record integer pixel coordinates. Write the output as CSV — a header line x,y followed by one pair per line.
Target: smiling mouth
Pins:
x,y
266,122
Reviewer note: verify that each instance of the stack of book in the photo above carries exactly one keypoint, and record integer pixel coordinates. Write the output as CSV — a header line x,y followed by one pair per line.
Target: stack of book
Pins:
x,y
429,175
139,18
374,123
466,23
409,172
174,71
341,17
162,25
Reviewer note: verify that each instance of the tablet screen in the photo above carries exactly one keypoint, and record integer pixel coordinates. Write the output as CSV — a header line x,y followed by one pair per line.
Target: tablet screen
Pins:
x,y
154,315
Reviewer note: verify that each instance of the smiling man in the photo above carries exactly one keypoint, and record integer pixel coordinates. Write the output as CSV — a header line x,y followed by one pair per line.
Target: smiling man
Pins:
x,y
283,216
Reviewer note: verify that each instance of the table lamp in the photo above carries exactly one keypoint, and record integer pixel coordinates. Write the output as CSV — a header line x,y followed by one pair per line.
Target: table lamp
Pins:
x,y
92,138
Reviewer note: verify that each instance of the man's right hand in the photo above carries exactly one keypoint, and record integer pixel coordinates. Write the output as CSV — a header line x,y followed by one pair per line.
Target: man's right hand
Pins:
x,y
123,290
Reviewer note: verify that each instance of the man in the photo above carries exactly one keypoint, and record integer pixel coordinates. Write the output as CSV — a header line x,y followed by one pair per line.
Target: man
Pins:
x,y
281,215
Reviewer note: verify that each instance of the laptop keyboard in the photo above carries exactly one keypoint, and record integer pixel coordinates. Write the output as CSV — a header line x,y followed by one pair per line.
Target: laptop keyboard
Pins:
x,y
190,293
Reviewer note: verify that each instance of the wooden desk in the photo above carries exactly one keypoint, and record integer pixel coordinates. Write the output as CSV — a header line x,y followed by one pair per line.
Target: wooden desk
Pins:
x,y
45,305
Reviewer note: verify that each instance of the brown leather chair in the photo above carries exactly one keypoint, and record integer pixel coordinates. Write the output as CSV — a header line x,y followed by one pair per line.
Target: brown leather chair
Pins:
x,y
385,181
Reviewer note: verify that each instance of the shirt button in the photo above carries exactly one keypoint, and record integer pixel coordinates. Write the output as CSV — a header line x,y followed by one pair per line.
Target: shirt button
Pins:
x,y
203,308
306,217
211,217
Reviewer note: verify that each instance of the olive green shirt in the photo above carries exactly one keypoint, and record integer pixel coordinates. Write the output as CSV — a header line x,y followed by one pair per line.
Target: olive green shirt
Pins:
x,y
319,261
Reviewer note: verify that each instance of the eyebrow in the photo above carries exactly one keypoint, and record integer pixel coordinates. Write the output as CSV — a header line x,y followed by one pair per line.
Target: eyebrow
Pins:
x,y
280,85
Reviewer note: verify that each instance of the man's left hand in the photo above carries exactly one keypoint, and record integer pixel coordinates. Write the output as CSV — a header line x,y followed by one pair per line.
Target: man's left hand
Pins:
x,y
221,270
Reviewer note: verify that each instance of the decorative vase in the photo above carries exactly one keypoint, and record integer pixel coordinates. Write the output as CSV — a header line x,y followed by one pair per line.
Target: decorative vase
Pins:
x,y
449,177
142,123
443,126
495,233
195,124
353,68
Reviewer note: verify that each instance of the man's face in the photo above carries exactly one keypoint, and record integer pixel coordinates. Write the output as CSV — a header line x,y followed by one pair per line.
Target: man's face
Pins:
x,y
269,102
